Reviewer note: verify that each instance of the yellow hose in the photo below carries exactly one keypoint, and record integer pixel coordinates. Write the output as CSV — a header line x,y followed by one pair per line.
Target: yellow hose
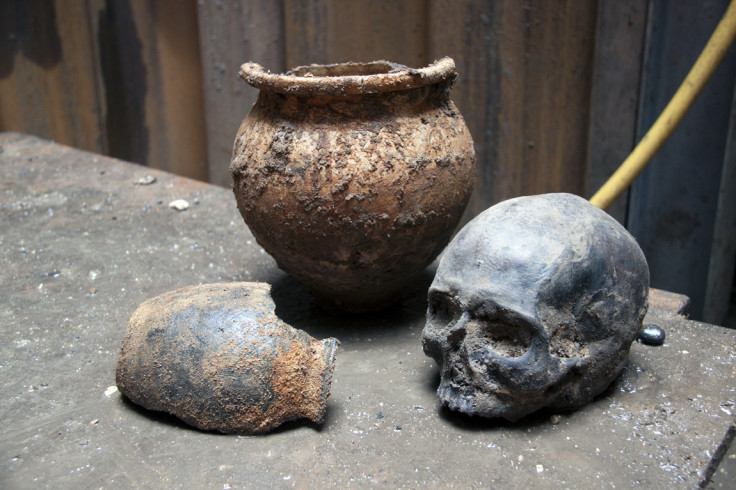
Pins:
x,y
699,74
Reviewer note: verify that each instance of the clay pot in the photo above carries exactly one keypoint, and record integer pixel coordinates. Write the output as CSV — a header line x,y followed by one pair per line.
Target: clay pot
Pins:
x,y
353,176
217,357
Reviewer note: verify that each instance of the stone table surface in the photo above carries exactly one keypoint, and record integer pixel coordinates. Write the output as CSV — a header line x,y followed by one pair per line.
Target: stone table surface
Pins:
x,y
85,239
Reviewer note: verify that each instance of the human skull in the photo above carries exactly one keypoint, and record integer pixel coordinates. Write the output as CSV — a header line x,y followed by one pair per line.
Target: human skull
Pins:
x,y
535,304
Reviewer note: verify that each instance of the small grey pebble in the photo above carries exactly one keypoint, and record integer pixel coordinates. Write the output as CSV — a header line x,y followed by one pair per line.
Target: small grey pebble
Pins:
x,y
651,335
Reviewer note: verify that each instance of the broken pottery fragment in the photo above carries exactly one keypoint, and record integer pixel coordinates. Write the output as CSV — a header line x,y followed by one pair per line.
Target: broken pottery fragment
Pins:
x,y
535,304
217,357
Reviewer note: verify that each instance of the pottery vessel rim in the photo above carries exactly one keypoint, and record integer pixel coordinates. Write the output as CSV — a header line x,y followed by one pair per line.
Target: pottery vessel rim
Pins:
x,y
348,78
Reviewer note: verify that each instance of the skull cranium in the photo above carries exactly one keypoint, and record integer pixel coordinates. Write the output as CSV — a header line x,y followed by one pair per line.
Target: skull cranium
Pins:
x,y
535,304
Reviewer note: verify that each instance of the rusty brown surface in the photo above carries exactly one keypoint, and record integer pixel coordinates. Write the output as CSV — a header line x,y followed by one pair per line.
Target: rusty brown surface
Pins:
x,y
374,77
668,303
217,357
354,194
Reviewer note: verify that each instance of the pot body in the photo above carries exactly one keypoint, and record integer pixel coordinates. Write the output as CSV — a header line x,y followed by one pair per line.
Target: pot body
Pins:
x,y
353,193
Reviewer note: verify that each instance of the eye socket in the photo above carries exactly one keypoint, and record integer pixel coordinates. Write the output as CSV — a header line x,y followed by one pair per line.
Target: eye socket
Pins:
x,y
504,334
443,308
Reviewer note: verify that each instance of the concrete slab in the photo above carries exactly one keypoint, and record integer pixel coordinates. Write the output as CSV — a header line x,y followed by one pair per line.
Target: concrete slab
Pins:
x,y
83,244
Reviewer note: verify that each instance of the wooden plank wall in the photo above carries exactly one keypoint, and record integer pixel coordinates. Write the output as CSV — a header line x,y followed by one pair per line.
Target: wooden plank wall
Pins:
x,y
524,89
674,203
550,89
156,82
122,78
621,30
230,34
525,74
42,91
722,262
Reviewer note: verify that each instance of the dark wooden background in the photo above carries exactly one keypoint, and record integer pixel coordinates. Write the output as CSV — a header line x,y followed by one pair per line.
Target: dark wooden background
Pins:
x,y
554,91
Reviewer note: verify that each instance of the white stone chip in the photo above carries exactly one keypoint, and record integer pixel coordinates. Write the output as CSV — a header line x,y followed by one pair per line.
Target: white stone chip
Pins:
x,y
179,205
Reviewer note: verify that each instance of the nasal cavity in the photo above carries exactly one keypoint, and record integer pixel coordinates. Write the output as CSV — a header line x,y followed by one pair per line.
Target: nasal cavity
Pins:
x,y
455,339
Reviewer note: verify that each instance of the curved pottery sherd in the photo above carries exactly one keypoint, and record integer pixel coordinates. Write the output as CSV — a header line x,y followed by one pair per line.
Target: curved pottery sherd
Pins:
x,y
353,176
217,357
